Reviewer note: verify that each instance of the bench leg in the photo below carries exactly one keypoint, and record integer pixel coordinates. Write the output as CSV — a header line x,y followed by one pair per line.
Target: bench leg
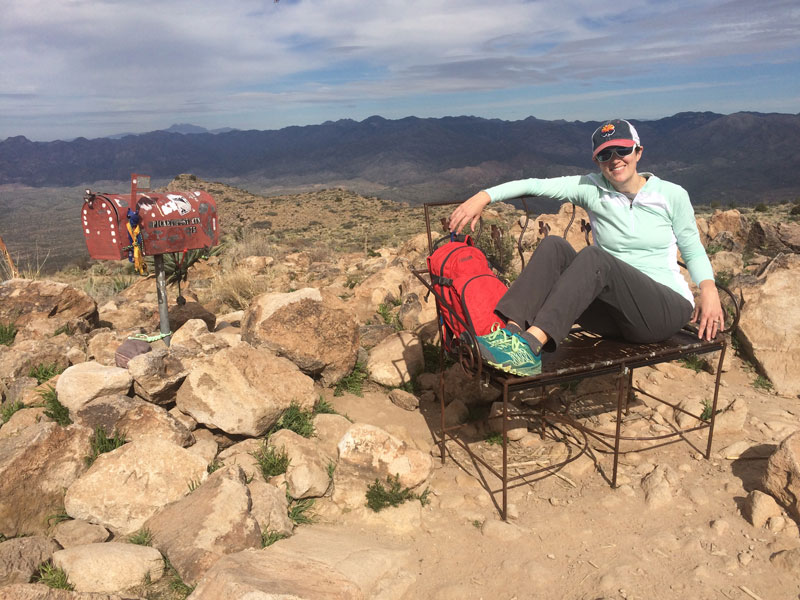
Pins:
x,y
714,403
622,392
504,511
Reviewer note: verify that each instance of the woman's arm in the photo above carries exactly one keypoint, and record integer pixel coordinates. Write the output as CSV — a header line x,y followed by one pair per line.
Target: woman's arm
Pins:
x,y
708,313
469,212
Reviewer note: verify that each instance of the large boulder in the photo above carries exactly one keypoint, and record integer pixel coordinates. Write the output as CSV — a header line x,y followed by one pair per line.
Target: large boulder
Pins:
x,y
17,361
125,487
80,384
20,557
36,466
157,375
212,521
312,331
396,360
367,453
243,390
109,567
308,473
770,323
782,478
40,308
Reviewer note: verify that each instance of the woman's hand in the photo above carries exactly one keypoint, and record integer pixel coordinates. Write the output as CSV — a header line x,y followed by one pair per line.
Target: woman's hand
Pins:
x,y
708,313
469,211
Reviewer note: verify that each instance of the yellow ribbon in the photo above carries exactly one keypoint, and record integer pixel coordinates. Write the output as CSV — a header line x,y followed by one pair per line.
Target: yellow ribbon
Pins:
x,y
138,257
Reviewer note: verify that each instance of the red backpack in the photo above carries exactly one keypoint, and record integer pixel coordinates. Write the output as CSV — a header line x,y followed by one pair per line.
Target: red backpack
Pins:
x,y
466,290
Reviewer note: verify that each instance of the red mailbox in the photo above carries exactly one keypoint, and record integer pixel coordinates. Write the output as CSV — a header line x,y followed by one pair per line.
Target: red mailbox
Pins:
x,y
168,222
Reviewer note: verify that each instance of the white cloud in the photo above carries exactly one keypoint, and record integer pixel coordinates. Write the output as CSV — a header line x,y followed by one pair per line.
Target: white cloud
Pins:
x,y
100,65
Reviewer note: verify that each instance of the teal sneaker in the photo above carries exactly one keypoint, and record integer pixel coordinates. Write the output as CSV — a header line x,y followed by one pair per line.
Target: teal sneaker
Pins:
x,y
517,358
494,346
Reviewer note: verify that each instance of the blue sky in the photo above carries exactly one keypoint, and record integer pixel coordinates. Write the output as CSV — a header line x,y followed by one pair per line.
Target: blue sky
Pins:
x,y
94,68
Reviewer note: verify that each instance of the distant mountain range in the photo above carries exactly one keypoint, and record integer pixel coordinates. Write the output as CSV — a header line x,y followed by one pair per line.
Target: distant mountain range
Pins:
x,y
740,158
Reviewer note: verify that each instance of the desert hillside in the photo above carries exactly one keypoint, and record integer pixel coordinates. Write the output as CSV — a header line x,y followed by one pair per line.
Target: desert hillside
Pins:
x,y
285,442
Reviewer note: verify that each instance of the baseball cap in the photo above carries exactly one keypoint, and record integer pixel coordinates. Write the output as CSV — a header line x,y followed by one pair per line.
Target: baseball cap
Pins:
x,y
617,132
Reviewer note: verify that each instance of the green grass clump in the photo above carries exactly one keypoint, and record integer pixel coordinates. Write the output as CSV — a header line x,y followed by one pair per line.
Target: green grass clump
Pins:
x,y
323,407
9,408
45,372
143,537
299,511
7,334
295,419
352,383
762,383
53,408
100,443
53,577
380,497
494,439
694,362
271,461
270,537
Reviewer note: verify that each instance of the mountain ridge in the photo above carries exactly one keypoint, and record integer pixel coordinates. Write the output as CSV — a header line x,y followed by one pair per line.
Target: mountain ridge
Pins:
x,y
743,157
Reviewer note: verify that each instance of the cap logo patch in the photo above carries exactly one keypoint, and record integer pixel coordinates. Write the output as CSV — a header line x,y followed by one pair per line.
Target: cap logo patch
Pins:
x,y
607,130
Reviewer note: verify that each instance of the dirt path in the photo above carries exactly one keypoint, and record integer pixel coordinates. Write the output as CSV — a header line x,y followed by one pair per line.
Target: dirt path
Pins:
x,y
572,536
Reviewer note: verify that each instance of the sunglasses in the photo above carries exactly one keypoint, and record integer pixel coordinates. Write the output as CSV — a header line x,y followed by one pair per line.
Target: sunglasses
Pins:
x,y
606,154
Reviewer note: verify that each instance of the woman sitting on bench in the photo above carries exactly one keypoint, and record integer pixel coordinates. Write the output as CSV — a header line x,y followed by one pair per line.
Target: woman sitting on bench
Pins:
x,y
627,284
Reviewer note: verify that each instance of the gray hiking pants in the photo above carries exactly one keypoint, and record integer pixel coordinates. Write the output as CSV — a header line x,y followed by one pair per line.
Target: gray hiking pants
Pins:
x,y
559,287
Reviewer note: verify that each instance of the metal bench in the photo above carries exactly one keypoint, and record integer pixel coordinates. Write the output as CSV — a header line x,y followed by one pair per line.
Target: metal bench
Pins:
x,y
582,355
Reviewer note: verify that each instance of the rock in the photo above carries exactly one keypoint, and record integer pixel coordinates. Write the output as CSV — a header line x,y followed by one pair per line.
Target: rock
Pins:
x,y
109,567
44,307
195,336
148,420
270,507
75,532
125,487
416,313
273,575
243,390
403,399
157,375
181,314
501,530
788,560
367,453
396,360
456,413
516,427
468,389
759,507
241,454
657,489
733,418
312,331
82,383
789,234
103,345
329,429
39,591
36,466
106,411
23,418
782,477
763,238
769,340
212,521
308,473
18,360
727,262
20,557
731,221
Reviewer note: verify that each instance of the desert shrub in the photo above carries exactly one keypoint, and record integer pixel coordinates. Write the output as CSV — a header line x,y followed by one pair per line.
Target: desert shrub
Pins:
x,y
295,419
9,408
271,461
52,577
795,210
760,207
53,408
44,372
380,497
299,511
100,443
353,382
237,287
7,334
143,537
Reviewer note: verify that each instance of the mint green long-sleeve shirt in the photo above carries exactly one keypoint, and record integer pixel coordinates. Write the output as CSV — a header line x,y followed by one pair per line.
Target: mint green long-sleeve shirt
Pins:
x,y
646,232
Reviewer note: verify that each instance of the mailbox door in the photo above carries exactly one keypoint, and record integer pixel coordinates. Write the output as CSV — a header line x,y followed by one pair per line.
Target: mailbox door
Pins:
x,y
103,229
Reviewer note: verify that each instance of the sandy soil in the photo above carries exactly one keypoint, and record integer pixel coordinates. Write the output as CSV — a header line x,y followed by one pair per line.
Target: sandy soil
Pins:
x,y
571,536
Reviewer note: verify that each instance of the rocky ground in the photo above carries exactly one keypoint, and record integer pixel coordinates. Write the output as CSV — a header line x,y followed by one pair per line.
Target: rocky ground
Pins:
x,y
676,526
